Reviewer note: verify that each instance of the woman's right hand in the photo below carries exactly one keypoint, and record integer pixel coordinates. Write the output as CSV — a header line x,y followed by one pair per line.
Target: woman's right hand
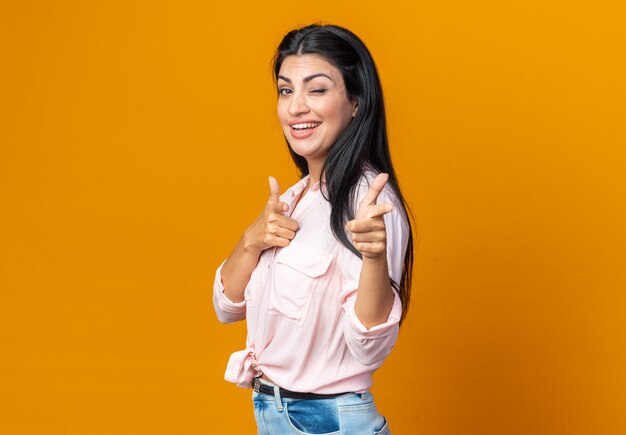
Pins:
x,y
272,227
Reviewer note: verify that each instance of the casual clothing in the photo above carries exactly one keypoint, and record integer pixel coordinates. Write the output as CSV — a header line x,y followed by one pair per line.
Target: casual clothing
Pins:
x,y
348,414
303,333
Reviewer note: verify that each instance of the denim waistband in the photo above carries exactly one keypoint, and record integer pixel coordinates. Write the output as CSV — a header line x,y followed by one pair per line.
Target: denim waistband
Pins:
x,y
275,393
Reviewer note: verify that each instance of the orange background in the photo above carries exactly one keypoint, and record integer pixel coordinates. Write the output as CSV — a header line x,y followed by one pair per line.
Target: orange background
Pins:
x,y
135,143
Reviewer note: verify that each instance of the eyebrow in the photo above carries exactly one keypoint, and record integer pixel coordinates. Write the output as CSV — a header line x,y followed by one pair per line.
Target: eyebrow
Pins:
x,y
308,78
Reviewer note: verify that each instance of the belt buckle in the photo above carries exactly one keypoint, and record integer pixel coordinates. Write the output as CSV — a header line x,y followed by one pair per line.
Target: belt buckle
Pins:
x,y
256,385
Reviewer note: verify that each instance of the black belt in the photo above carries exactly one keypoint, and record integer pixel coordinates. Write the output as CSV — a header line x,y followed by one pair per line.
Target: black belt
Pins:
x,y
259,387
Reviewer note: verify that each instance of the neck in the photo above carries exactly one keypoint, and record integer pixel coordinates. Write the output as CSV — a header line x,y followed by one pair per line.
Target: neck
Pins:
x,y
314,173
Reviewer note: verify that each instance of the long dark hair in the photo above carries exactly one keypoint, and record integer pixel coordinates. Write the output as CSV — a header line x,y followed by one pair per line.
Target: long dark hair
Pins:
x,y
363,142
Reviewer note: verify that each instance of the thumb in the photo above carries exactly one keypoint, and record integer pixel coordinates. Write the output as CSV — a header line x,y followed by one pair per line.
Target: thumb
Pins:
x,y
274,190
274,198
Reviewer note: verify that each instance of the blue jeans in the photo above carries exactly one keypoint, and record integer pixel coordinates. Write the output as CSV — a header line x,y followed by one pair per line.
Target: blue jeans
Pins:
x,y
348,414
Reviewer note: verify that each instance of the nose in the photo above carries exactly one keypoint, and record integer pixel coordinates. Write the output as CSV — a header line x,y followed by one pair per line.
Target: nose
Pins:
x,y
297,104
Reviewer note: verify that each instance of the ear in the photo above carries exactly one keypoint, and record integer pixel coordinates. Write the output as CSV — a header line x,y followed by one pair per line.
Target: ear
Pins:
x,y
355,107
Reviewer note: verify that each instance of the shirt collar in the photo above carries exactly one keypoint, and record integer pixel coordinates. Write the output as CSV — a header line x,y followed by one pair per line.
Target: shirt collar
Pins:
x,y
301,185
316,186
297,188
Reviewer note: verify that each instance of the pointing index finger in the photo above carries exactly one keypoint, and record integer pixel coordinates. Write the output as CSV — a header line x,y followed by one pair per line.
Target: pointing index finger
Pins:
x,y
375,188
379,210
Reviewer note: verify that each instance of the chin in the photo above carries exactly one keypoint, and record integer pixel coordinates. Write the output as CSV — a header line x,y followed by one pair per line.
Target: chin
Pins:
x,y
303,150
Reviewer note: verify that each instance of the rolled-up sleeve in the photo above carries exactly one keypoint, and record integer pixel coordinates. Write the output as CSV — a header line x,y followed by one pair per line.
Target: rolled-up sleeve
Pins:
x,y
227,311
371,346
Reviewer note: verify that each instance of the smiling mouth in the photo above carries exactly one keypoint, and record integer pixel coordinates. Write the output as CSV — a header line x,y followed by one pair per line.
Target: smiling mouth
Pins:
x,y
305,126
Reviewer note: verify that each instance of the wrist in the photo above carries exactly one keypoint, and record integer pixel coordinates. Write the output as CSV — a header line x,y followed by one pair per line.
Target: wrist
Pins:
x,y
376,260
248,244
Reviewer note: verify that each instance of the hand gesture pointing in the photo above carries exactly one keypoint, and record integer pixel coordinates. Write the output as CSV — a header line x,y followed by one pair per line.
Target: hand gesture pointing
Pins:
x,y
368,227
272,227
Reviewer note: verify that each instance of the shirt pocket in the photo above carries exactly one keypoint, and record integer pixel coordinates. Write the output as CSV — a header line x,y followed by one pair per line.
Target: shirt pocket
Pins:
x,y
297,272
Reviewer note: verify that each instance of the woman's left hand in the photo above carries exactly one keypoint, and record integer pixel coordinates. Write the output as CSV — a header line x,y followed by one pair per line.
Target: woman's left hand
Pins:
x,y
368,227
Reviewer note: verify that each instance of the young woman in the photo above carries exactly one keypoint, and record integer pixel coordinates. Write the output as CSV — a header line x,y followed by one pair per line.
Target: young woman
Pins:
x,y
323,275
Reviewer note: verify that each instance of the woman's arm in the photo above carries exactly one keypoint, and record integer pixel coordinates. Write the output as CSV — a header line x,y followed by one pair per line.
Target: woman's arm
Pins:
x,y
378,233
237,269
375,296
370,325
271,228
368,231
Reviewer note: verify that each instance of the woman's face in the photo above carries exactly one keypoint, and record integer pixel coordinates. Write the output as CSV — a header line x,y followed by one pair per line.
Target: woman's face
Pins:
x,y
313,105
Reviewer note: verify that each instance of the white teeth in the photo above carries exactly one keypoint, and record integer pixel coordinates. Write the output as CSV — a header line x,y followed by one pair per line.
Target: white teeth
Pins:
x,y
306,125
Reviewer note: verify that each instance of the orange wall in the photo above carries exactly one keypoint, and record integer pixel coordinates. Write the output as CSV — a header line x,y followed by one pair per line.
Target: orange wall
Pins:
x,y
131,132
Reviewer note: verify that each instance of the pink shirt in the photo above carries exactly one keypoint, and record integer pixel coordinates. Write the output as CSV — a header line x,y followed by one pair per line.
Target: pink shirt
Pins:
x,y
303,333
